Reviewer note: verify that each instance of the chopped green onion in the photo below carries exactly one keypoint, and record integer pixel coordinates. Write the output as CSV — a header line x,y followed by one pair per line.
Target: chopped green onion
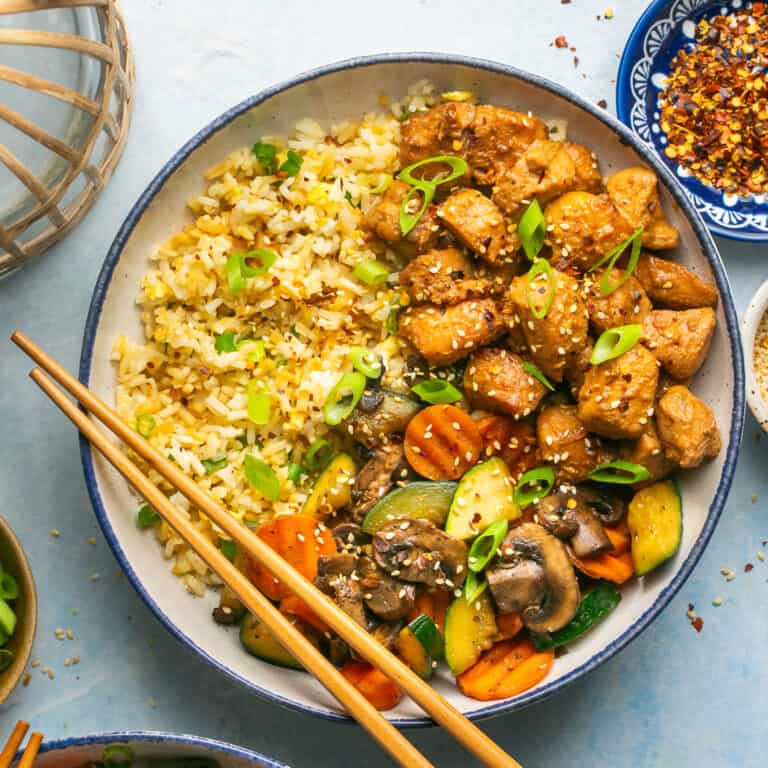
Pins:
x,y
366,361
538,267
532,230
214,465
146,517
371,272
228,549
348,198
225,342
8,619
620,472
235,279
318,455
615,342
409,220
437,391
383,185
391,321
606,286
257,353
474,586
145,425
262,477
533,485
343,398
617,250
265,154
9,588
485,545
295,471
292,164
537,374
458,166
259,403
117,756
6,658
263,256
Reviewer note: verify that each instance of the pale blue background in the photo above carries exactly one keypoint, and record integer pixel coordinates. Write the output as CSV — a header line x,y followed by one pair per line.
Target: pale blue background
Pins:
x,y
673,698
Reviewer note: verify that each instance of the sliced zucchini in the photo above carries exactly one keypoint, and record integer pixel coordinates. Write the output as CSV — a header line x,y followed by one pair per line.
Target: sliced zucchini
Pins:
x,y
7,618
422,499
428,635
413,653
260,642
484,495
655,521
332,489
469,631
390,414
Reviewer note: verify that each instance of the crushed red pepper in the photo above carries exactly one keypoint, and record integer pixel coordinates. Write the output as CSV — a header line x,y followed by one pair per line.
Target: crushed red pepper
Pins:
x,y
714,107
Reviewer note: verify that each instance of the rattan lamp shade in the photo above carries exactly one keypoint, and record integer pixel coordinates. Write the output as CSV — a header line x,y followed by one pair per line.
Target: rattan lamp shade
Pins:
x,y
81,162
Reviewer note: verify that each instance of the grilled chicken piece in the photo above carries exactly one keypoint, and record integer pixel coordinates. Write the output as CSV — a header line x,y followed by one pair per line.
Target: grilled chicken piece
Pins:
x,y
679,340
383,220
648,451
635,194
443,335
672,285
375,478
628,304
565,443
444,276
687,427
616,399
557,339
546,169
441,130
476,222
495,380
577,368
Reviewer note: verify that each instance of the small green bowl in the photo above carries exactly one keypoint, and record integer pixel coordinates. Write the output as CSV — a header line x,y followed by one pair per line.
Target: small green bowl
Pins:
x,y
15,562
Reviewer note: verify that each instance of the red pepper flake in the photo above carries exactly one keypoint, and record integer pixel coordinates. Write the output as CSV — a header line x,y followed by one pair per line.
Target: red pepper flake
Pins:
x,y
602,103
561,42
697,623
748,567
575,61
565,2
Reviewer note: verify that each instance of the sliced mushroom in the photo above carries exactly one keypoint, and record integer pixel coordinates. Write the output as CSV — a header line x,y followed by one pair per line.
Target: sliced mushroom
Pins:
x,y
418,551
569,515
389,598
608,506
517,585
375,478
382,417
334,577
349,536
386,633
553,605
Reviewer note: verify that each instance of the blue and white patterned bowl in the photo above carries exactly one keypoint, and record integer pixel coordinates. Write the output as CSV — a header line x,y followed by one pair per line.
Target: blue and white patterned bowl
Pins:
x,y
659,34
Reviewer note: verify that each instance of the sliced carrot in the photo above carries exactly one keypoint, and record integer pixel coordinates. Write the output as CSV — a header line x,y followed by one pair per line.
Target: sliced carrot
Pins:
x,y
301,541
293,606
508,624
442,442
433,604
373,684
514,441
509,668
608,566
620,537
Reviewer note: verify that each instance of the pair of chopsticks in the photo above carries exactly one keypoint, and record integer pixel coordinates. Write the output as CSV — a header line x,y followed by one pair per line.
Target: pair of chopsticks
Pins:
x,y
443,713
14,742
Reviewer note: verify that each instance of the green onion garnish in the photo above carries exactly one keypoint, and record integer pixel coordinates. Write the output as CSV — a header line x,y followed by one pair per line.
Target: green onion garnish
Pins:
x,y
409,220
295,471
606,286
145,425
531,369
532,230
259,403
214,465
391,321
540,266
117,756
146,516
620,472
457,164
235,279
240,267
383,185
533,485
615,342
262,477
371,272
258,351
474,586
437,391
292,163
6,658
343,398
366,361
265,154
228,549
9,588
485,545
8,619
225,342
318,455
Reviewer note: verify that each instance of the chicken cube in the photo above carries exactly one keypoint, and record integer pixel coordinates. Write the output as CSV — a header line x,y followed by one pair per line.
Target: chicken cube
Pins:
x,y
628,304
679,340
672,285
635,193
441,130
476,222
495,380
556,339
565,443
443,335
616,398
648,451
687,428
444,276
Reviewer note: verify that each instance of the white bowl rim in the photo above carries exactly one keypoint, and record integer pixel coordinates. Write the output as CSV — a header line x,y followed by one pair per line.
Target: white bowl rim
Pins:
x,y
754,312
708,247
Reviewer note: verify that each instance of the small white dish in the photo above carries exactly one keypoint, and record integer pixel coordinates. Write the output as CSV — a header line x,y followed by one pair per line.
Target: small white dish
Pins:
x,y
749,325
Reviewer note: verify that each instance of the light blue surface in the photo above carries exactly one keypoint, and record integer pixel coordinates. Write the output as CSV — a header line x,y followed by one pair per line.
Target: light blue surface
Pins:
x,y
673,698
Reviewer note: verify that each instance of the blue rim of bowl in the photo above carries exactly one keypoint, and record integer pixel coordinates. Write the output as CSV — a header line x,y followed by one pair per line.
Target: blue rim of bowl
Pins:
x,y
158,737
627,137
633,49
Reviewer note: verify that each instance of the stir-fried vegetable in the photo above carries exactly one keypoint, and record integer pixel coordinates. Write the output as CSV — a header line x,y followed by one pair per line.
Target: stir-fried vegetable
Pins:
x,y
373,684
615,342
262,477
146,516
145,425
343,398
259,403
371,272
265,154
484,547
655,520
437,391
366,361
620,472
532,229
318,455
9,587
534,485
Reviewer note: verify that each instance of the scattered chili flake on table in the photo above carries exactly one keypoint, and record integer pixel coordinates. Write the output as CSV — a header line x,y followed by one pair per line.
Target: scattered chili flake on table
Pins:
x,y
714,106
561,42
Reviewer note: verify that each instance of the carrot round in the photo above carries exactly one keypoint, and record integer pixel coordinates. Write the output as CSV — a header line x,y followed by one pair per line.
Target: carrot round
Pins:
x,y
508,624
433,604
373,684
620,537
514,441
608,566
294,606
442,442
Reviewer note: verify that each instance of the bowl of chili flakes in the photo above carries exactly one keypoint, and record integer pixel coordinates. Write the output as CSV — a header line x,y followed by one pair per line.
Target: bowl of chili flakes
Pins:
x,y
693,84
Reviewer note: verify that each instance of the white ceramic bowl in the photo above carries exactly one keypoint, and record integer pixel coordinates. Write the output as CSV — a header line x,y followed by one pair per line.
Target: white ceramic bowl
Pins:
x,y
148,745
754,313
342,91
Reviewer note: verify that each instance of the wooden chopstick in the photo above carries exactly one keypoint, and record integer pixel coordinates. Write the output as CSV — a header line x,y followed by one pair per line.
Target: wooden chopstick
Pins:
x,y
352,633
30,751
12,745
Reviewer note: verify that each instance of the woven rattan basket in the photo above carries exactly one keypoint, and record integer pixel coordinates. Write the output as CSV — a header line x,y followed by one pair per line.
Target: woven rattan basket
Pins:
x,y
56,202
